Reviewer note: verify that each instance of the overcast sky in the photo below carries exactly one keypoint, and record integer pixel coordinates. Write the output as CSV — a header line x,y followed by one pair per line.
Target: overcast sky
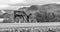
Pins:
x,y
10,3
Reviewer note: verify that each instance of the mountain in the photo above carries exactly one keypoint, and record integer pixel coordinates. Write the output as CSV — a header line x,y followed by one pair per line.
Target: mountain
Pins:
x,y
47,7
44,13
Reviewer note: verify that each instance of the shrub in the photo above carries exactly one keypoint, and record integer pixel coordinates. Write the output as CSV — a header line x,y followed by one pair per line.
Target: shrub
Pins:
x,y
47,17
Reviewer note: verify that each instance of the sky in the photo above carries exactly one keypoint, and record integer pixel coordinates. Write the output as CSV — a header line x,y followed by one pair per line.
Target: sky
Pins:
x,y
12,3
8,3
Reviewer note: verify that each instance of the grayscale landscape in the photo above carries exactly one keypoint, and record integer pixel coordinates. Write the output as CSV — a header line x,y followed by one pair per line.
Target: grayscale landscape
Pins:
x,y
29,15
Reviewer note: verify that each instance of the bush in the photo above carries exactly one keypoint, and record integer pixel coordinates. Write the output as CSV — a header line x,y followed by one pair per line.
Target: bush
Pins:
x,y
47,17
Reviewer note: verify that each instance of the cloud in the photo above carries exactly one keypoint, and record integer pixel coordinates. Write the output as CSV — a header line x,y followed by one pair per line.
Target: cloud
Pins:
x,y
12,1
17,1
42,1
34,2
2,6
4,1
7,3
